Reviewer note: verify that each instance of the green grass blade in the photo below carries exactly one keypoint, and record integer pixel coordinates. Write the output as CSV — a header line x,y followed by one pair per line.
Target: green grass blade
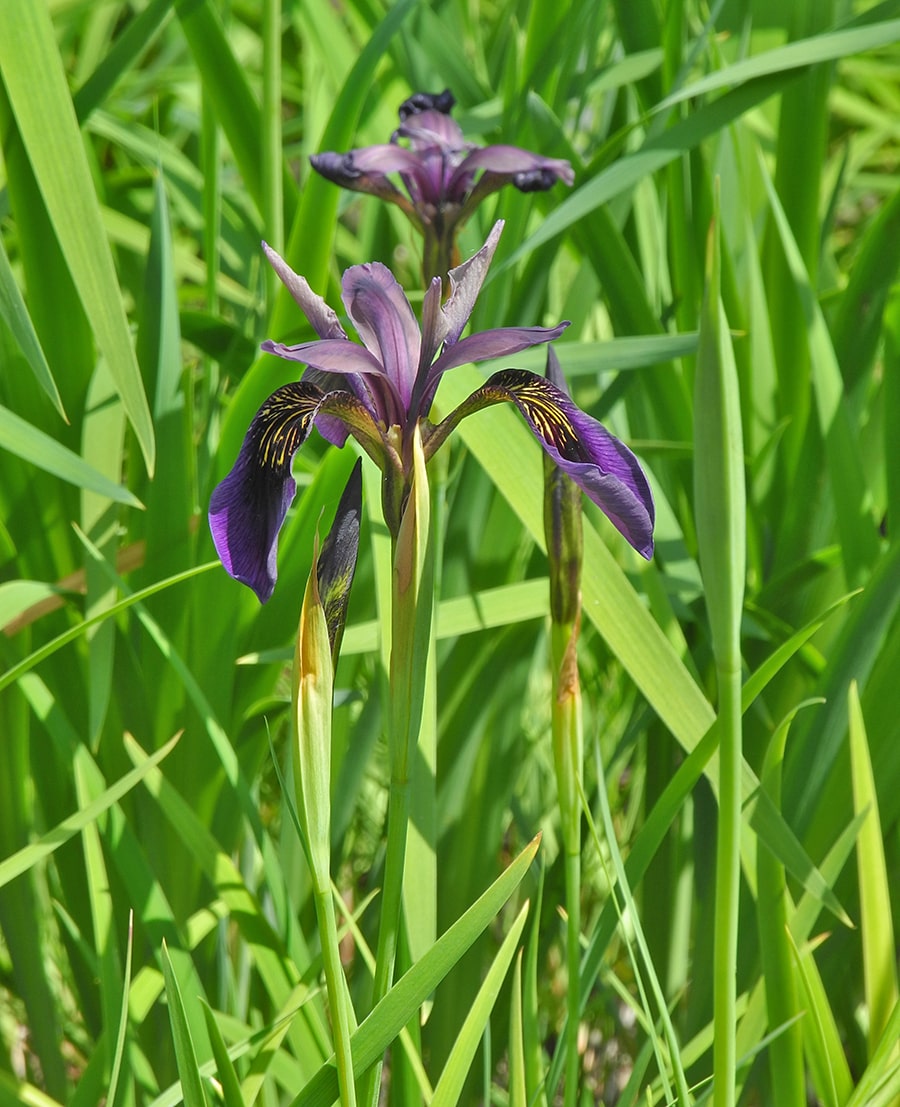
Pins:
x,y
825,47
786,1049
817,744
657,152
535,1075
185,1053
892,412
822,1043
876,921
856,326
850,491
31,854
123,54
115,1097
227,1074
884,1067
38,448
49,648
14,314
667,1045
46,122
225,82
387,1019
518,1095
720,510
450,1085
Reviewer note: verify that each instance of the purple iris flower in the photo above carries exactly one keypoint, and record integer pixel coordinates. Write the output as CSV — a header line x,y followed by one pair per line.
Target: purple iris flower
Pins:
x,y
445,178
380,390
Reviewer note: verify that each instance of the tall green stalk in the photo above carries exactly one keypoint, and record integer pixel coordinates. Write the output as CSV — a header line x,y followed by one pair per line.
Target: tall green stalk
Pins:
x,y
568,744
565,552
720,504
412,603
322,620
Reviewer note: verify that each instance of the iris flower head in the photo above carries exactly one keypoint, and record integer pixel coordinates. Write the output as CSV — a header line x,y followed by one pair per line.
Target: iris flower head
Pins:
x,y
381,389
444,178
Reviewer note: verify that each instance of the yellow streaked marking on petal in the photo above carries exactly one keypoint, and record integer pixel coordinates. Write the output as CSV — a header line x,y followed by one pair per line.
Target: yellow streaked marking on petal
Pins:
x,y
538,397
283,423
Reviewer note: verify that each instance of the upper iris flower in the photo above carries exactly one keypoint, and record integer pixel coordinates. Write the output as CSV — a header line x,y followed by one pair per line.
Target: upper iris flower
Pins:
x,y
445,177
381,390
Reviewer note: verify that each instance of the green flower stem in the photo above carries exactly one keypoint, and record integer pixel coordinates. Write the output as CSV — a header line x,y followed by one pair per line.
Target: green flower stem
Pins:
x,y
568,745
337,993
785,1050
411,620
728,869
720,497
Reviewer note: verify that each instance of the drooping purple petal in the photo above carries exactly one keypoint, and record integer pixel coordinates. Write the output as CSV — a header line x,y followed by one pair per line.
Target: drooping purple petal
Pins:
x,y
248,507
511,161
384,158
342,170
602,466
385,322
322,318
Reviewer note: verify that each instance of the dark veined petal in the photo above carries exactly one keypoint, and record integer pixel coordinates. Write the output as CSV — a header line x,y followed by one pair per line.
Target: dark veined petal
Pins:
x,y
248,507
602,466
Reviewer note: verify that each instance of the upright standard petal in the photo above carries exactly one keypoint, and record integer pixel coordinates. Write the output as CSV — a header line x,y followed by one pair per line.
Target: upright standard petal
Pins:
x,y
602,466
385,322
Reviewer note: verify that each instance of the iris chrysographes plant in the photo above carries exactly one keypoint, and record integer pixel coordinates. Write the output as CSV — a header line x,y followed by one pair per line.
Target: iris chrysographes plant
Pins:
x,y
382,389
443,177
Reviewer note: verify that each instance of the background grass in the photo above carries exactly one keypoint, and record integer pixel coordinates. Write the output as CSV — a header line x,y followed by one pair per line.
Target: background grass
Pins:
x,y
147,148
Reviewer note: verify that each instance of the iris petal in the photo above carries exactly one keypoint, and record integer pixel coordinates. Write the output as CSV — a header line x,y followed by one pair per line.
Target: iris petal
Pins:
x,y
248,507
385,322
465,284
322,318
602,466
510,161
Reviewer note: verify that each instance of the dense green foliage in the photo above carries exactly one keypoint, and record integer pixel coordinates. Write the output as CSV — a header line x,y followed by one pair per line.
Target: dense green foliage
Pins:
x,y
156,910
